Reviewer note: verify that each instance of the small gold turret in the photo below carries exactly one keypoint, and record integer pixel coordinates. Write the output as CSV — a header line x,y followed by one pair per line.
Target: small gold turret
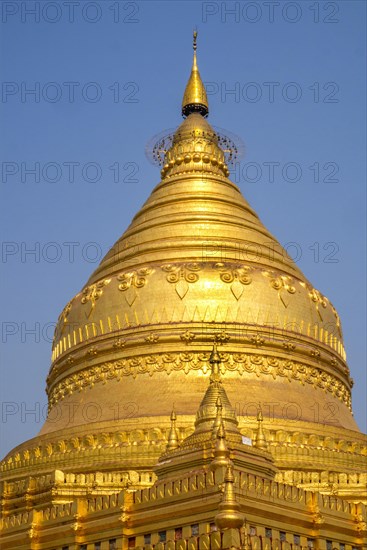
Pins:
x,y
229,516
215,409
195,99
173,441
260,439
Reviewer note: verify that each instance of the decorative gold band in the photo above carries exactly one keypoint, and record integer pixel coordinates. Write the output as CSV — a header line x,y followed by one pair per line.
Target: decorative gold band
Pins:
x,y
260,365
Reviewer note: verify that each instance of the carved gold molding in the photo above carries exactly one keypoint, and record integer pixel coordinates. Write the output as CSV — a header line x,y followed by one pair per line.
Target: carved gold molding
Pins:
x,y
238,277
139,441
194,151
182,275
260,365
130,281
93,292
137,278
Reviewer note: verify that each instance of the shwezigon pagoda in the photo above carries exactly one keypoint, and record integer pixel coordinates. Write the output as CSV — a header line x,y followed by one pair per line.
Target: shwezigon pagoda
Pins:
x,y
181,353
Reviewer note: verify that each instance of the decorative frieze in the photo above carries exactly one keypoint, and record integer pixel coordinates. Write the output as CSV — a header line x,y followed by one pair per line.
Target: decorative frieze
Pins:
x,y
258,364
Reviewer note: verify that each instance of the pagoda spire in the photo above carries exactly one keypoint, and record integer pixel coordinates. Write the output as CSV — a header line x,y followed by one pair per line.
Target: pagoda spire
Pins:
x,y
219,418
172,442
260,439
215,409
195,99
221,452
229,516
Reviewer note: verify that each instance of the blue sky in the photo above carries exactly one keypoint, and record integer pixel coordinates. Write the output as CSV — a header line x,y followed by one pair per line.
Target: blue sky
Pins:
x,y
288,78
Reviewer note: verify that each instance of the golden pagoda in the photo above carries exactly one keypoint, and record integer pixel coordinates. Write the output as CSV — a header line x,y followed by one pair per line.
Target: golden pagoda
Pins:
x,y
199,397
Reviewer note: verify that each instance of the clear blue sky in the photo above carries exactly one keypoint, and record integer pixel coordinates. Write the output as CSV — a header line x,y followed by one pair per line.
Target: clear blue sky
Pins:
x,y
110,75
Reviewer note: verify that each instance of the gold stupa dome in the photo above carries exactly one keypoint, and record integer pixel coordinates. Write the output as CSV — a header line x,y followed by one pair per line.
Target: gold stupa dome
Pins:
x,y
196,266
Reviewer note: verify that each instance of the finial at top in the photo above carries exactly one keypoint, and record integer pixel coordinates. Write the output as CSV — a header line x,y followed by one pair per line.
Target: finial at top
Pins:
x,y
195,99
195,35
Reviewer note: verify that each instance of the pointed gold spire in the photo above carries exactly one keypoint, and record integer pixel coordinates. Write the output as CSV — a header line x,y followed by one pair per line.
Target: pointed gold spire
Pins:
x,y
172,442
218,419
229,516
260,439
195,99
221,452
215,408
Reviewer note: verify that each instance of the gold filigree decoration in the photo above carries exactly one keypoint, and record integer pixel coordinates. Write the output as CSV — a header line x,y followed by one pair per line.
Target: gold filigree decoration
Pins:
x,y
221,337
318,299
92,352
93,292
181,275
289,345
283,284
63,317
254,363
152,338
361,523
33,531
258,340
238,277
124,518
132,280
76,525
119,344
317,517
187,336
